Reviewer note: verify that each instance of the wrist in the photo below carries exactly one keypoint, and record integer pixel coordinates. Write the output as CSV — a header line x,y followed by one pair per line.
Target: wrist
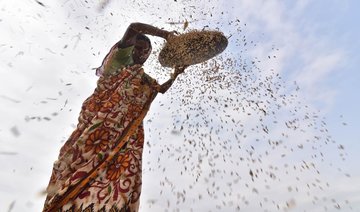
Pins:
x,y
166,34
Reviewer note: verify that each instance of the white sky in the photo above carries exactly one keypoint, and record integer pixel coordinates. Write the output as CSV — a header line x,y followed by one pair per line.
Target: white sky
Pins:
x,y
47,53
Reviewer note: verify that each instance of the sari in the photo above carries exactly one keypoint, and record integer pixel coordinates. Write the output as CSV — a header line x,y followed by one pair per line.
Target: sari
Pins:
x,y
99,166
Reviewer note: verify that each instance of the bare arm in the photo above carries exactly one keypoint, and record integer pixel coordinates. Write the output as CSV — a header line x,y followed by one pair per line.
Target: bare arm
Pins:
x,y
134,29
166,85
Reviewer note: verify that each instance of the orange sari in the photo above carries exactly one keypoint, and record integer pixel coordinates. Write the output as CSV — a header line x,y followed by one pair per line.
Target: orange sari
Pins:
x,y
99,167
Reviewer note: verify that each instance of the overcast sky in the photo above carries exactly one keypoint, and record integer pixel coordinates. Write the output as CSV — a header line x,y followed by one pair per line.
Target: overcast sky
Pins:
x,y
48,50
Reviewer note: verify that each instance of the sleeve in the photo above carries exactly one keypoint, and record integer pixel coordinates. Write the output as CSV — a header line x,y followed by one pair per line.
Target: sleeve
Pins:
x,y
151,81
117,58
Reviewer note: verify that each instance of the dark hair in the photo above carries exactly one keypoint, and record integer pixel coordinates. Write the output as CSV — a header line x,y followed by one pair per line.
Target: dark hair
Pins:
x,y
144,38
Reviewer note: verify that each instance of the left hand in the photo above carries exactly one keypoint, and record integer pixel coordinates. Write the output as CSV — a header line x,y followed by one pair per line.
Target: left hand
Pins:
x,y
178,70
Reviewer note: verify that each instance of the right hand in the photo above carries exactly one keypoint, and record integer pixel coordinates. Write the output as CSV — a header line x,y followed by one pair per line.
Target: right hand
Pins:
x,y
178,70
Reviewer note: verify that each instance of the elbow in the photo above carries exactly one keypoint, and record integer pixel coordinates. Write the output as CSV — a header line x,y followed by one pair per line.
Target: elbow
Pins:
x,y
135,25
162,91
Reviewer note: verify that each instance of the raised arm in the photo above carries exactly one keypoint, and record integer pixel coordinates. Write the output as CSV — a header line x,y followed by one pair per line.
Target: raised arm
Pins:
x,y
134,29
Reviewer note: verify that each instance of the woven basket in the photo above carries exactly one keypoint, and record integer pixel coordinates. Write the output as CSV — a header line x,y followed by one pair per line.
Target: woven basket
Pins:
x,y
192,48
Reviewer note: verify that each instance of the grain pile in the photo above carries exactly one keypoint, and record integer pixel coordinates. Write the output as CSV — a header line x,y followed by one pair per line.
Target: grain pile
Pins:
x,y
192,48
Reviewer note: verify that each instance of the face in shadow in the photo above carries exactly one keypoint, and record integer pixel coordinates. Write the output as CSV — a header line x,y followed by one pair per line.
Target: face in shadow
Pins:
x,y
141,52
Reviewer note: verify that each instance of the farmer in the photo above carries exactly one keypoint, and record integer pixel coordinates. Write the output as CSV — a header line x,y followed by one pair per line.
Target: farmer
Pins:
x,y
99,166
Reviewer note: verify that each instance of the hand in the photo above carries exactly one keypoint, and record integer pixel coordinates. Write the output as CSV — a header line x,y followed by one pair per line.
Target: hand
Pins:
x,y
178,70
171,34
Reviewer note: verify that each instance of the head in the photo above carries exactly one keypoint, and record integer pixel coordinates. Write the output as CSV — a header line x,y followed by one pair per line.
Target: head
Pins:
x,y
142,49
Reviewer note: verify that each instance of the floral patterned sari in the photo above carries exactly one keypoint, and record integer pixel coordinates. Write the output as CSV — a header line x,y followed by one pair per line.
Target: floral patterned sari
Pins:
x,y
99,167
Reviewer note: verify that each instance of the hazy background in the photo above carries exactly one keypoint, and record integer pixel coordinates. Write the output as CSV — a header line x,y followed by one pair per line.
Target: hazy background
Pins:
x,y
48,50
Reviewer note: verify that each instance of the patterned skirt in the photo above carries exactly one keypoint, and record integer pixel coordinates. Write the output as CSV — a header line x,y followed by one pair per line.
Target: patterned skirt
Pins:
x,y
99,166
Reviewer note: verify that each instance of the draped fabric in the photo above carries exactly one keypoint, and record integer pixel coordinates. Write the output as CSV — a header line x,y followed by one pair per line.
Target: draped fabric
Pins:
x,y
99,166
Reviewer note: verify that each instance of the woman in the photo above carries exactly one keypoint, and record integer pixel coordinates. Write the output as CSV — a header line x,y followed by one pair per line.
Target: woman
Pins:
x,y
99,167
